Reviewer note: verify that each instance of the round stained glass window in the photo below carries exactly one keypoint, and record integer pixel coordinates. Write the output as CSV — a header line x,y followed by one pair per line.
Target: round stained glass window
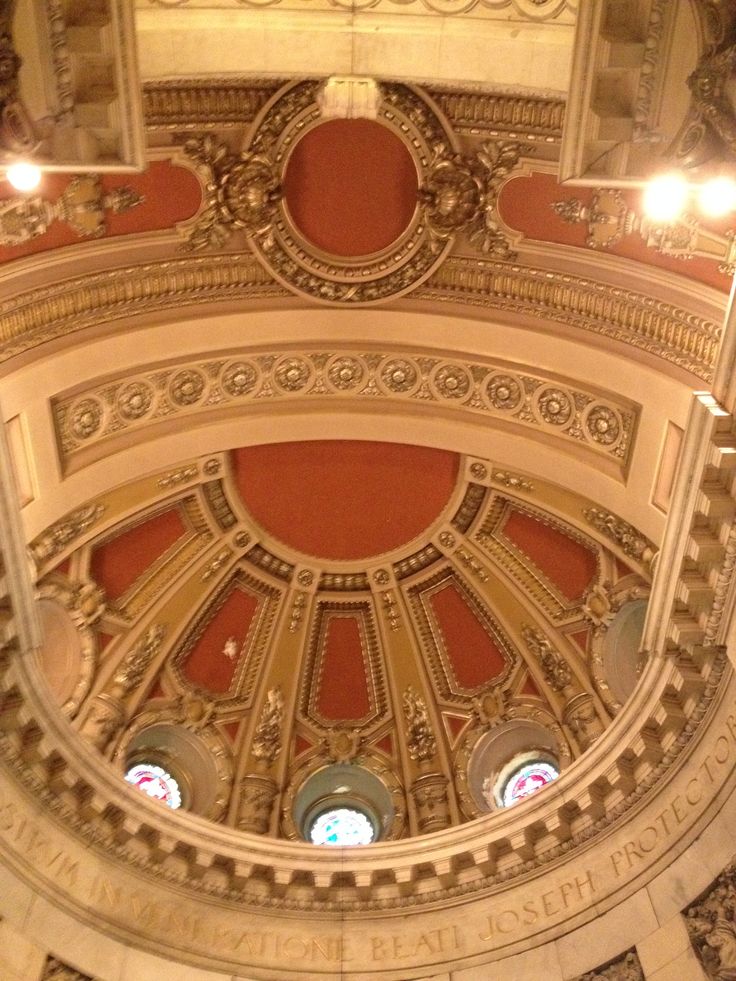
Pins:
x,y
341,826
156,782
526,780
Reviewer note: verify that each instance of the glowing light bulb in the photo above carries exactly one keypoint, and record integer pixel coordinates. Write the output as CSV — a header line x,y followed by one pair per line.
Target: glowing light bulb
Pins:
x,y
24,176
717,197
665,197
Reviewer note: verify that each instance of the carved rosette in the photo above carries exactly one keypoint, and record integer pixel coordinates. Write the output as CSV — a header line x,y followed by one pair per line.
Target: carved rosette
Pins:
x,y
244,191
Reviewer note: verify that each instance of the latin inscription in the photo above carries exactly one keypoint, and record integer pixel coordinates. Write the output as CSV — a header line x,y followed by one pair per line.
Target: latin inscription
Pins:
x,y
501,922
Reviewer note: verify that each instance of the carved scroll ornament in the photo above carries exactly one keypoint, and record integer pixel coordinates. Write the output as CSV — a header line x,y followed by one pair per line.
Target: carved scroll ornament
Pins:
x,y
456,194
83,206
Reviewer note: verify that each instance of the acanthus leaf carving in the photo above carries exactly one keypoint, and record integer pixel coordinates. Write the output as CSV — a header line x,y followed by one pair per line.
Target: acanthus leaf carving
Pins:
x,y
420,739
267,737
239,192
712,929
626,968
460,194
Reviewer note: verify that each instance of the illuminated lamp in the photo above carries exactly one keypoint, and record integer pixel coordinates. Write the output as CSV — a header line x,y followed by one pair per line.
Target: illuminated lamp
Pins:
x,y
24,176
665,198
717,197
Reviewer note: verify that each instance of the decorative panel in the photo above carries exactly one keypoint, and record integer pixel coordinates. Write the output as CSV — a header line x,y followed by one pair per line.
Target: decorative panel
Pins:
x,y
466,646
553,561
118,562
223,649
567,563
343,676
215,658
582,418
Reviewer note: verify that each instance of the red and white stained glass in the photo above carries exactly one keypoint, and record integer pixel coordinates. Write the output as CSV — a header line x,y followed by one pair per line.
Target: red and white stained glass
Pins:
x,y
156,782
527,780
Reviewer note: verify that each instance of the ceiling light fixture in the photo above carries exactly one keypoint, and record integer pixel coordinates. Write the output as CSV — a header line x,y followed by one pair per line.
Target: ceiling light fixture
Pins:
x,y
717,197
24,176
665,197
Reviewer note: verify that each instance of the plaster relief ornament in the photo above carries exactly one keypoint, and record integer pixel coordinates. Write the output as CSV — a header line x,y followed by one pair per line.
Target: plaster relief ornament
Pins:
x,y
56,538
107,713
708,84
580,715
419,736
626,968
245,190
609,220
17,134
82,206
599,607
712,927
556,670
490,706
267,737
240,191
342,745
628,539
460,195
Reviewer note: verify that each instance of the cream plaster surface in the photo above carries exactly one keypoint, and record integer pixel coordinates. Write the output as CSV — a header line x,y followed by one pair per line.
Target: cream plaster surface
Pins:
x,y
26,393
665,948
542,920
601,939
388,43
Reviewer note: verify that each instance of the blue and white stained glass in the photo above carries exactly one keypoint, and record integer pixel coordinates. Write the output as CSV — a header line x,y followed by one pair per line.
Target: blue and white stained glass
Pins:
x,y
341,826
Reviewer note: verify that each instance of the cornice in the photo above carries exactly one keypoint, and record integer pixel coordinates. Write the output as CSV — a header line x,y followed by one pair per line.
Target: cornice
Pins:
x,y
667,331
208,103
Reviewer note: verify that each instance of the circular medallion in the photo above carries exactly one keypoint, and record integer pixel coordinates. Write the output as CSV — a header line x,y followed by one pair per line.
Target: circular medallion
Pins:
x,y
555,406
135,400
399,376
186,387
504,392
351,187
85,418
239,378
292,374
346,373
345,219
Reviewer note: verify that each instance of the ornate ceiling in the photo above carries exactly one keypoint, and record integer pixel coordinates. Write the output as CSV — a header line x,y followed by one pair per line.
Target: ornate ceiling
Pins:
x,y
349,442
333,578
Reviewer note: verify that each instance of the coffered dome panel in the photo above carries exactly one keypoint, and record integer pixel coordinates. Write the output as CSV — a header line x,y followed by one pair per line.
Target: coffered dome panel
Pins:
x,y
240,597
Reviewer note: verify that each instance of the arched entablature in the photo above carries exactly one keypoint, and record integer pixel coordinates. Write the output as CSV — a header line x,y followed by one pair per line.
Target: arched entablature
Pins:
x,y
352,375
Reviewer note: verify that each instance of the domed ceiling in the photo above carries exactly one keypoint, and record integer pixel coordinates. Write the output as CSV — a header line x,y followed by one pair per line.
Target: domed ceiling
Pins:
x,y
286,607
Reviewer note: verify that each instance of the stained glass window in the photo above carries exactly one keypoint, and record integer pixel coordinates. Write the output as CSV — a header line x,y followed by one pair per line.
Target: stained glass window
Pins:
x,y
526,780
341,826
156,782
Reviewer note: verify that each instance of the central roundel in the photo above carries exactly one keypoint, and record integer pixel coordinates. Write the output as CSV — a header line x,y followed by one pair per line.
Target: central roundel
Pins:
x,y
350,187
